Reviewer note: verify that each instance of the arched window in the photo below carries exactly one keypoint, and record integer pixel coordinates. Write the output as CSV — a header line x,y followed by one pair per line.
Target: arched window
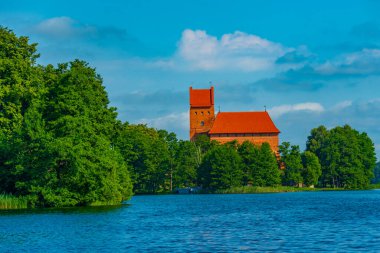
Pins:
x,y
202,123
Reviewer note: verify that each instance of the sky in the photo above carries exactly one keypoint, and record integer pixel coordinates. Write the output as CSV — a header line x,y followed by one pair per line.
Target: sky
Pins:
x,y
309,63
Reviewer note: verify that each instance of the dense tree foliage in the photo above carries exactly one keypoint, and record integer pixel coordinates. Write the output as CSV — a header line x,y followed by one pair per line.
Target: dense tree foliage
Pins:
x,y
56,131
260,167
185,170
311,168
221,168
347,157
148,155
291,158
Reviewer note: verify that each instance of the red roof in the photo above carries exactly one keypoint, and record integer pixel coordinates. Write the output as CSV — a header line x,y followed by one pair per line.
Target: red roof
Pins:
x,y
201,97
243,122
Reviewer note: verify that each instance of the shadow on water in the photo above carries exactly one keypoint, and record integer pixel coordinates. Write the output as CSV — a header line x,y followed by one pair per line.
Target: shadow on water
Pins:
x,y
66,210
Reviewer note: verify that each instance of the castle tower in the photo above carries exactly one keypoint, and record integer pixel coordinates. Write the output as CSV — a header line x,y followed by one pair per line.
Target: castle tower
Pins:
x,y
202,112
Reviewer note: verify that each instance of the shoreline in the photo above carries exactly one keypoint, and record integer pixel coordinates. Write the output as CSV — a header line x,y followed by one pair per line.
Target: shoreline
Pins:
x,y
261,189
234,190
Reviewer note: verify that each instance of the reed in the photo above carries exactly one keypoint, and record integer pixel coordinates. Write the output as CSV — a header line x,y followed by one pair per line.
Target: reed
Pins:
x,y
12,202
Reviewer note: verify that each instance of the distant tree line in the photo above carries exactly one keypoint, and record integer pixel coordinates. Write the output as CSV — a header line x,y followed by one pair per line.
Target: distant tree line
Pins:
x,y
347,157
337,158
61,144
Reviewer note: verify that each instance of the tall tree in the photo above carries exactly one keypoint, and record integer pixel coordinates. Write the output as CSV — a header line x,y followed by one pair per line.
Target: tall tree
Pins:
x,y
171,142
148,156
250,155
316,139
267,173
19,79
85,169
221,168
347,157
185,172
55,131
291,158
311,168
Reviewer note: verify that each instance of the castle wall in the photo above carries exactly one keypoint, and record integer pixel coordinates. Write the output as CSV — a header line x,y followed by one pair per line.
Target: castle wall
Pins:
x,y
201,120
273,139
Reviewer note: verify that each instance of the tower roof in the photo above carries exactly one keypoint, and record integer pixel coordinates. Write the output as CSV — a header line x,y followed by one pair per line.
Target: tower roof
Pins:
x,y
201,97
243,122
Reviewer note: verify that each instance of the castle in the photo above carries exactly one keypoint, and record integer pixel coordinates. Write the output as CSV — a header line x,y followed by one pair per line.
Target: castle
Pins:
x,y
256,127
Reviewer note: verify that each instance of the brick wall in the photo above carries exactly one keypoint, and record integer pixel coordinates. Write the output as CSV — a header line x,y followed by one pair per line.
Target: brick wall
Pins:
x,y
257,140
201,120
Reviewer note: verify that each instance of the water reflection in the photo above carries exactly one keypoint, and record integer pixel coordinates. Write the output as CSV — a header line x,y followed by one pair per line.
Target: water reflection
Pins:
x,y
289,222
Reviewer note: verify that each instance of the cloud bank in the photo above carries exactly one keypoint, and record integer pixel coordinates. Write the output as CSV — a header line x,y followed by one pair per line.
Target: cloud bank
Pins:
x,y
277,111
236,51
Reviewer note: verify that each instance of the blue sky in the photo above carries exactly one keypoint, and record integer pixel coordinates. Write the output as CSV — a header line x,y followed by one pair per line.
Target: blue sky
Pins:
x,y
308,62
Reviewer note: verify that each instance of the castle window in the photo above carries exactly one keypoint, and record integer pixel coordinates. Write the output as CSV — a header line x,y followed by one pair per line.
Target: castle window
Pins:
x,y
202,113
208,112
196,113
202,123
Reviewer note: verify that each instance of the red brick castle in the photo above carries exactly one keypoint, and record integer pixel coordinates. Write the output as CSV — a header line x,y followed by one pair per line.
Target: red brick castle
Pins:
x,y
256,127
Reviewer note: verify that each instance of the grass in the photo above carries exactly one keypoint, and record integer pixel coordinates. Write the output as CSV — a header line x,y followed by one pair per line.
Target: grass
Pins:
x,y
374,186
274,189
12,202
106,203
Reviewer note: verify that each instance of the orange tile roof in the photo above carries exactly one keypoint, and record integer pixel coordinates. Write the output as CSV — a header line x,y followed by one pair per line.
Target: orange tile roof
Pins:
x,y
201,97
243,122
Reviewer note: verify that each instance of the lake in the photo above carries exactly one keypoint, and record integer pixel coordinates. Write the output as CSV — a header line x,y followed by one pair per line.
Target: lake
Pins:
x,y
287,222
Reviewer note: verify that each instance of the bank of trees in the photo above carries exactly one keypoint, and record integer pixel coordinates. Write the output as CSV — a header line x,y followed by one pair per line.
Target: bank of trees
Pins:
x,y
56,131
160,163
347,157
61,144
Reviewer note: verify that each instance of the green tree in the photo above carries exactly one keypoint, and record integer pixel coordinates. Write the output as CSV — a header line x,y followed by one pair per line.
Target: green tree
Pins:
x,y
147,155
202,144
259,165
172,147
221,168
55,131
19,79
311,168
267,172
291,158
347,157
84,168
185,172
316,140
250,155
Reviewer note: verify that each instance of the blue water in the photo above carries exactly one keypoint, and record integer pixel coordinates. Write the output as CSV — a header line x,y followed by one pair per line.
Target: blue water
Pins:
x,y
287,222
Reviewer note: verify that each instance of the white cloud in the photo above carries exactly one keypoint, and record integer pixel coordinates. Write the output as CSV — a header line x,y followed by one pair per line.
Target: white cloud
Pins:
x,y
58,26
240,51
277,111
63,27
176,122
342,105
366,61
